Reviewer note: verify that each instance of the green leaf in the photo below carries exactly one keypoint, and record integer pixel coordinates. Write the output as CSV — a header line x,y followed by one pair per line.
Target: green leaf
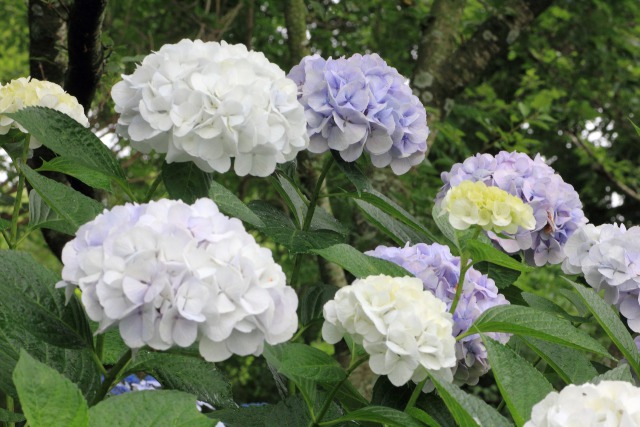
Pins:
x,y
620,373
275,355
253,416
379,414
72,206
544,304
423,417
520,384
504,277
611,323
394,229
281,229
42,216
149,408
185,181
441,220
298,204
528,321
72,168
386,394
47,398
572,365
391,208
303,361
359,264
77,365
11,417
186,373
313,301
230,205
479,251
352,172
29,299
70,139
466,408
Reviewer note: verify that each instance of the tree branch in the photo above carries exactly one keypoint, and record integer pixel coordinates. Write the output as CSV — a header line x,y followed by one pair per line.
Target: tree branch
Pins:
x,y
602,168
86,54
295,15
47,35
439,81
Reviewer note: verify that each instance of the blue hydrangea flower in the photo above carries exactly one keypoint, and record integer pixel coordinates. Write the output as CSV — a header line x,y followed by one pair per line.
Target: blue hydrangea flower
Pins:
x,y
439,271
556,205
134,383
361,104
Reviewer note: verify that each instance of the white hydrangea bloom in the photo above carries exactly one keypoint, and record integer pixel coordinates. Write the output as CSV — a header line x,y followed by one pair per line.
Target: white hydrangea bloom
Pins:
x,y
168,273
405,329
28,92
210,102
607,404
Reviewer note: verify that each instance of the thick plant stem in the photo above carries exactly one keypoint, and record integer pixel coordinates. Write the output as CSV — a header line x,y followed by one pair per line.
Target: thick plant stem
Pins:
x,y
112,375
10,407
153,188
465,264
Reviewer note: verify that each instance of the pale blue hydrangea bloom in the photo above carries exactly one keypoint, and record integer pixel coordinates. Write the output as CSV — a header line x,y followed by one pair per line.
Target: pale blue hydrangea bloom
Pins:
x,y
439,271
609,258
361,104
556,205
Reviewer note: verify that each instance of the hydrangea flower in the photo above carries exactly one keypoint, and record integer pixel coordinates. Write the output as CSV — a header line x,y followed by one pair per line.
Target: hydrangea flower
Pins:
x,y
556,205
405,330
473,203
609,403
361,104
609,257
171,274
210,102
28,92
439,272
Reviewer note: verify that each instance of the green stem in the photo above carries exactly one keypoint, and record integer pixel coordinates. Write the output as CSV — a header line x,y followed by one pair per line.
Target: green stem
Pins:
x,y
153,188
100,346
11,408
309,216
465,265
112,375
316,192
416,393
18,202
327,403
98,363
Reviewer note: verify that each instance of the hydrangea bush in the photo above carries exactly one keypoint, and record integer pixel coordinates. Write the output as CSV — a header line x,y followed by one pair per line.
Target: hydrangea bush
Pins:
x,y
168,286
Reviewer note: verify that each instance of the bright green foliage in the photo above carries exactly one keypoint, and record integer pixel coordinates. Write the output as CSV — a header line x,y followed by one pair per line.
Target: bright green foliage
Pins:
x,y
48,399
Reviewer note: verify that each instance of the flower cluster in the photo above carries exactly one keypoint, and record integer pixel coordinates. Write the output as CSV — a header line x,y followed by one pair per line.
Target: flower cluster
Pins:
x,y
609,403
556,206
473,203
609,257
405,330
168,273
210,102
28,92
439,272
361,103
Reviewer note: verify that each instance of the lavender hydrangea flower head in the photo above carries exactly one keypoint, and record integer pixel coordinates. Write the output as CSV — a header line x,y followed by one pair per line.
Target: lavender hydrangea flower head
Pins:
x,y
556,205
171,274
609,258
439,271
361,104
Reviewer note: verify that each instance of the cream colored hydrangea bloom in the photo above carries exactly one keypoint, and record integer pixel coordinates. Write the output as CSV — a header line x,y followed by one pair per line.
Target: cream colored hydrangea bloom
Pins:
x,y
28,92
609,403
405,329
473,203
